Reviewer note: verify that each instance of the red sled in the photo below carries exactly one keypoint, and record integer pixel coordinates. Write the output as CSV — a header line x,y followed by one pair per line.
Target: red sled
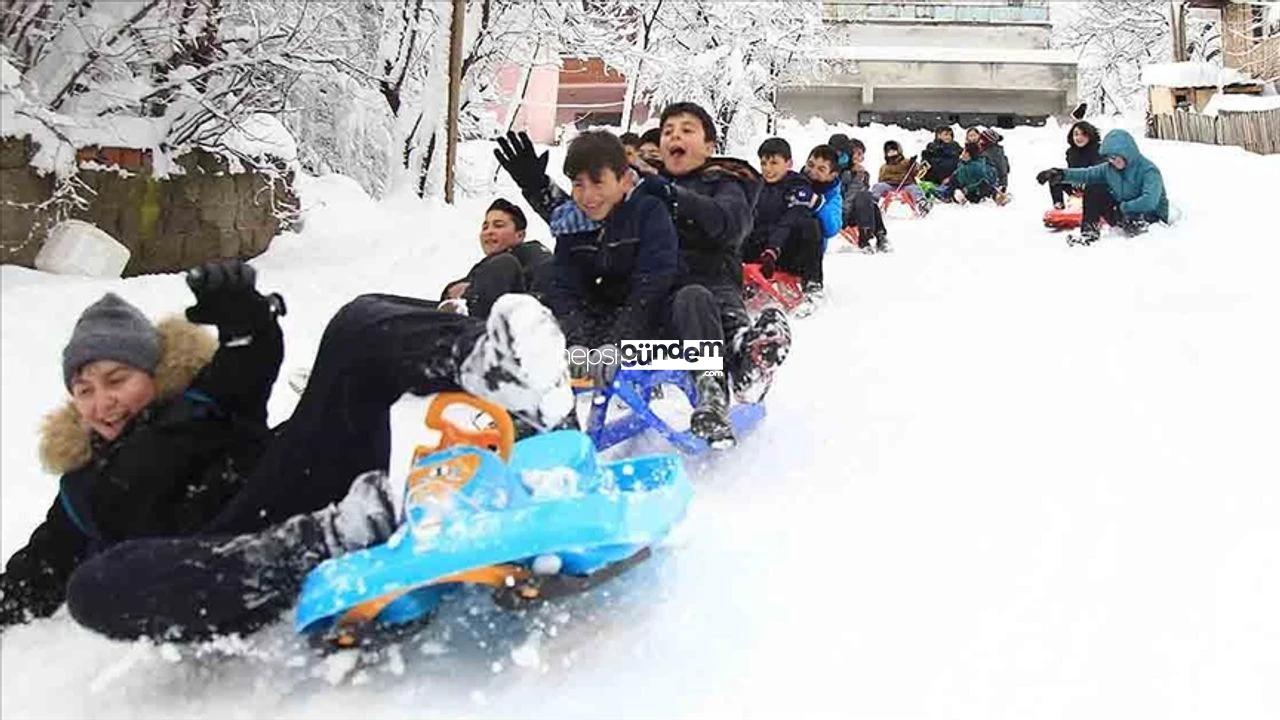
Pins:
x,y
783,289
1064,219
901,196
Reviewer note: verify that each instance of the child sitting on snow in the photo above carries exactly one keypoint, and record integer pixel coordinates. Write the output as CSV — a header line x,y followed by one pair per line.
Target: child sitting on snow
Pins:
x,y
899,173
1135,194
785,234
974,179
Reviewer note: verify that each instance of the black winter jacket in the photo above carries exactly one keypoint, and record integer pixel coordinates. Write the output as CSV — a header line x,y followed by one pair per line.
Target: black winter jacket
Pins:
x,y
943,159
783,208
713,209
534,258
169,473
609,279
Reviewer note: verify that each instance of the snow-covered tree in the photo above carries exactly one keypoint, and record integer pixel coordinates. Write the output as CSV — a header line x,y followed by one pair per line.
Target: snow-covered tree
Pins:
x,y
729,57
1116,38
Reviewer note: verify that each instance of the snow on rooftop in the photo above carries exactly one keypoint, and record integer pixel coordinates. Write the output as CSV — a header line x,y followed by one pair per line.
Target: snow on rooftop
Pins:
x,y
1223,102
1192,74
888,53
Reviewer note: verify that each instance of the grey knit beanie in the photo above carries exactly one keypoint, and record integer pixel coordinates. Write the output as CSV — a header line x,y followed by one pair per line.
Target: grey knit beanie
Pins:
x,y
111,329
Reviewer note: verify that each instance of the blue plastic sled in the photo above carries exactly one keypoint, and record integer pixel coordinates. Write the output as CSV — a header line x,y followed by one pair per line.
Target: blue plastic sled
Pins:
x,y
471,517
635,388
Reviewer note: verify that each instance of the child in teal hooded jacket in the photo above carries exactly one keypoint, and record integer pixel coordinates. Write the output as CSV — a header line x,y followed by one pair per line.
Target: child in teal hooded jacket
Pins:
x,y
1134,183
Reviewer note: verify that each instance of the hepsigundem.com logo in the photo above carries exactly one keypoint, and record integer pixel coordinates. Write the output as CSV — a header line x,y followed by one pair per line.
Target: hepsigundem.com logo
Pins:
x,y
694,355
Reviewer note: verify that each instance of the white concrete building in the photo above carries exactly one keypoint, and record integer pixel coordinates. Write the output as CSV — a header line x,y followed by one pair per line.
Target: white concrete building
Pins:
x,y
925,62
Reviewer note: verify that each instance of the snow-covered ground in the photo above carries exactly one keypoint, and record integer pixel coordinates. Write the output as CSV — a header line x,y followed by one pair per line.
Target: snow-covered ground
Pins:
x,y
1001,478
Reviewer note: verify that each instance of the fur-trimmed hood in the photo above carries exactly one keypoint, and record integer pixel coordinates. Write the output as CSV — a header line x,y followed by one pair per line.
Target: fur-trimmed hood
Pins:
x,y
185,349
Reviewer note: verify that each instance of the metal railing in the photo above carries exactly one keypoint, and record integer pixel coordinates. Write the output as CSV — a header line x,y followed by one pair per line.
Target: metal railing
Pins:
x,y
987,11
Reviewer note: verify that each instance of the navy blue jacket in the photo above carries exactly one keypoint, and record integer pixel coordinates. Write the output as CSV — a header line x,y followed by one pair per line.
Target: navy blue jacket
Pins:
x,y
712,209
609,279
784,207
943,159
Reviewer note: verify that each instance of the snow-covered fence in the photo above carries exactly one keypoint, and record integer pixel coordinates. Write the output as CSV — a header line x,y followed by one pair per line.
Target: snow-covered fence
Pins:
x,y
1254,131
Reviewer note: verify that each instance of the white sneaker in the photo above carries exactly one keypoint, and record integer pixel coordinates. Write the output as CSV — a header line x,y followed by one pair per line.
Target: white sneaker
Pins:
x,y
520,362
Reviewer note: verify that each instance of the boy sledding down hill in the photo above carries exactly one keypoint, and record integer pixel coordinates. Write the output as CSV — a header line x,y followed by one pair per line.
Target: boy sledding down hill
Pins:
x,y
180,514
1135,194
710,200
785,234
511,264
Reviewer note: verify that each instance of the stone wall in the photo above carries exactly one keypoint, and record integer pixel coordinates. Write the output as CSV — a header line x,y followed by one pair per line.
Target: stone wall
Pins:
x,y
168,224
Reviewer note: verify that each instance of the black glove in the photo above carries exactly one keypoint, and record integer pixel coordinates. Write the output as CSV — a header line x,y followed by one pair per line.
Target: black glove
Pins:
x,y
658,187
517,156
226,297
1053,175
768,262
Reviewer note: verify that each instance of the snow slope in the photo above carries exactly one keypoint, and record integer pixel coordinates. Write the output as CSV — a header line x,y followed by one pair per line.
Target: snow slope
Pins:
x,y
1001,478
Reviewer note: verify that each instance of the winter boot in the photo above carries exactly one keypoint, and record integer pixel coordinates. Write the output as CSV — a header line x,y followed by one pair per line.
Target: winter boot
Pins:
x,y
520,362
758,351
864,240
1089,234
882,242
814,291
1133,226
367,516
710,418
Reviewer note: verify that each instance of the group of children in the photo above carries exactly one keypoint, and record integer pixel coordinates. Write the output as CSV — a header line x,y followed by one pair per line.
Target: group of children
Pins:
x,y
181,514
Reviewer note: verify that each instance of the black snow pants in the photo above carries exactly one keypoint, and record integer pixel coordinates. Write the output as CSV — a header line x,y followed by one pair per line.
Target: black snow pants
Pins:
x,y
865,216
1096,195
242,570
802,255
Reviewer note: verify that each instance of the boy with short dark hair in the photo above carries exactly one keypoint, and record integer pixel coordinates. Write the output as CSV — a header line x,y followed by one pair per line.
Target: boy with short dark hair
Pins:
x,y
616,253
785,234
942,155
823,170
631,143
712,200
651,151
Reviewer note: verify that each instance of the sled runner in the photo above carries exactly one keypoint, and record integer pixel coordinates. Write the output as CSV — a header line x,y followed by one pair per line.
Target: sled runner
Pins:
x,y
892,203
783,289
634,390
534,519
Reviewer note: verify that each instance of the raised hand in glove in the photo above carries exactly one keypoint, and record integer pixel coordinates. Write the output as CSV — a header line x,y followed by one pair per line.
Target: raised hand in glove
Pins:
x,y
522,162
768,262
226,297
1052,175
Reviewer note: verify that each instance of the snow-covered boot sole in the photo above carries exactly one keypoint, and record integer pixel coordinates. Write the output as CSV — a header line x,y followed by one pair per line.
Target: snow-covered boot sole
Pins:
x,y
764,347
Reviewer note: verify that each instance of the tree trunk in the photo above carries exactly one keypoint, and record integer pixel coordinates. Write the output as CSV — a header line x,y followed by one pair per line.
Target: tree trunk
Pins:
x,y
456,32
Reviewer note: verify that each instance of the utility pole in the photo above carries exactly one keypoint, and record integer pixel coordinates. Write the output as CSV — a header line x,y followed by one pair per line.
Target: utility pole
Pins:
x,y
1178,20
456,31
